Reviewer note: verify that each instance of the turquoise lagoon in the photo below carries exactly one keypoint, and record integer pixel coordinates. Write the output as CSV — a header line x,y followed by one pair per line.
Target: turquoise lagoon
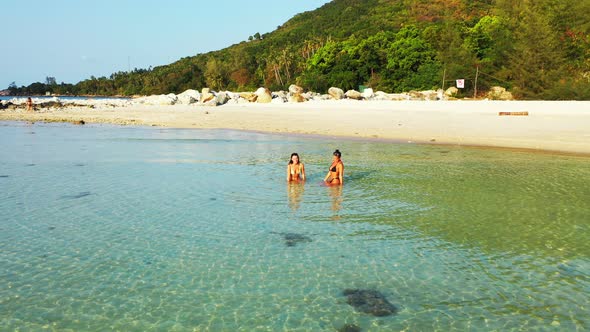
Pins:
x,y
151,229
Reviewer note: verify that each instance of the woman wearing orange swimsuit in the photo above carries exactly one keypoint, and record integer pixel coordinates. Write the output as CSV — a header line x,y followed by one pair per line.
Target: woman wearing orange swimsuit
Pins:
x,y
336,172
295,169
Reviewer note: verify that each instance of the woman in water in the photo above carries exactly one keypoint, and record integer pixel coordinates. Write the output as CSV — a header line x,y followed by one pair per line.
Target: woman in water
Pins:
x,y
295,169
336,171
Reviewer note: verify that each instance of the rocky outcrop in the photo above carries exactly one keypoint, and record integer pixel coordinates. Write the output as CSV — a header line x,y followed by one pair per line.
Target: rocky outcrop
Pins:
x,y
188,97
169,99
249,96
452,92
369,301
296,94
206,96
295,89
499,93
297,98
353,94
336,93
221,98
368,94
280,97
263,96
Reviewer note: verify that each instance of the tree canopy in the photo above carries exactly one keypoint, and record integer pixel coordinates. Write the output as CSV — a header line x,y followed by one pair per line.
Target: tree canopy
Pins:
x,y
539,49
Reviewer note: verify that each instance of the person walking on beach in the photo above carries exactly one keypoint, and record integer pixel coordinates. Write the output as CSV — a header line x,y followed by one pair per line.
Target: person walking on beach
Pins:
x,y
335,174
29,104
295,169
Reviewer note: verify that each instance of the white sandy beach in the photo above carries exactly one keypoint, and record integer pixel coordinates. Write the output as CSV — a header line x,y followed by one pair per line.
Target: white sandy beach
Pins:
x,y
553,126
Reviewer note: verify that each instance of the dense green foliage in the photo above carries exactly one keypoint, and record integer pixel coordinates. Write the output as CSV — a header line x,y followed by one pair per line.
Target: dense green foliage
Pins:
x,y
539,49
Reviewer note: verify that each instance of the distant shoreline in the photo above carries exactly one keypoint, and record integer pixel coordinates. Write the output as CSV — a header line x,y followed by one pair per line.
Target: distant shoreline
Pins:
x,y
549,126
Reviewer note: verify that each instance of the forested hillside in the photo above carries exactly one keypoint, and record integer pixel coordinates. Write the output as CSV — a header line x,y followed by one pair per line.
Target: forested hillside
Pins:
x,y
538,49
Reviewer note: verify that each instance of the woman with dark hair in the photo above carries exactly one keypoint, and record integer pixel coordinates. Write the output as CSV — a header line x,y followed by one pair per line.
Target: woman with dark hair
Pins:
x,y
29,104
336,170
295,169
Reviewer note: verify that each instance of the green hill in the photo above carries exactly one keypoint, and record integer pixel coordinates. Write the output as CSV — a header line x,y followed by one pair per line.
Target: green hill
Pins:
x,y
538,49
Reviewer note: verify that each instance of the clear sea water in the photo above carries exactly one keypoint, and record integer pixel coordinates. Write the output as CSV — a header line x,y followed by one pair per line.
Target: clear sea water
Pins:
x,y
148,229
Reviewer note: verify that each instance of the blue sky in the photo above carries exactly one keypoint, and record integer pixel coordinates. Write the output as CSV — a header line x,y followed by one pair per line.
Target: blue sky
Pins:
x,y
72,40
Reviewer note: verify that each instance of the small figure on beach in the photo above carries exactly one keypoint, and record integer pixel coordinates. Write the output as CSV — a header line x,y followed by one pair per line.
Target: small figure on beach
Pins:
x,y
29,104
295,169
335,174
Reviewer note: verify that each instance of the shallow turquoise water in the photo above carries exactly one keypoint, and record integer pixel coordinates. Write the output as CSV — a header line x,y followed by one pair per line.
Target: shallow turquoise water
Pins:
x,y
148,229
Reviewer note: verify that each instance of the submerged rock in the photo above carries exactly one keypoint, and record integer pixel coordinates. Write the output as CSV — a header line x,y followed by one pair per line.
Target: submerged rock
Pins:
x,y
370,302
292,239
76,196
349,328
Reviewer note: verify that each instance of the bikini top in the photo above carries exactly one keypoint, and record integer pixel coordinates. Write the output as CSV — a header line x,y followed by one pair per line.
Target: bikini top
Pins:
x,y
333,169
294,170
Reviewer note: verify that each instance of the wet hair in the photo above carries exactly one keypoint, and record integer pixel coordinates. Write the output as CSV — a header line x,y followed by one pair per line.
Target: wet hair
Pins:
x,y
291,159
337,153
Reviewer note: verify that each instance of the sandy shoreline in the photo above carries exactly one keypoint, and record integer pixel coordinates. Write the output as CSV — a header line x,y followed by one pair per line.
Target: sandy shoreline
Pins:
x,y
553,126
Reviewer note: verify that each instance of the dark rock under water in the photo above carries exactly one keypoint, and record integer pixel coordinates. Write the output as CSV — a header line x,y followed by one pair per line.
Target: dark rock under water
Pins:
x,y
76,196
370,302
349,328
292,239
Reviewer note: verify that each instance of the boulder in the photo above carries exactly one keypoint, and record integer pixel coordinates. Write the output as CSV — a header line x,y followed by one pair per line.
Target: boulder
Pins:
x,y
297,98
499,93
212,102
430,95
206,96
368,93
279,100
280,94
294,89
263,95
232,95
310,95
370,301
452,92
336,93
249,96
221,98
415,95
169,99
399,96
188,97
353,94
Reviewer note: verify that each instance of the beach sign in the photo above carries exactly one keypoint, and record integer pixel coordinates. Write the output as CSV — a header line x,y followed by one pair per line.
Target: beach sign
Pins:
x,y
461,84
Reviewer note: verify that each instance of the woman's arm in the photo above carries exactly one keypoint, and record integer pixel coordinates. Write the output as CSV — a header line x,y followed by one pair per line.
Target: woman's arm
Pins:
x,y
288,172
341,177
302,172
